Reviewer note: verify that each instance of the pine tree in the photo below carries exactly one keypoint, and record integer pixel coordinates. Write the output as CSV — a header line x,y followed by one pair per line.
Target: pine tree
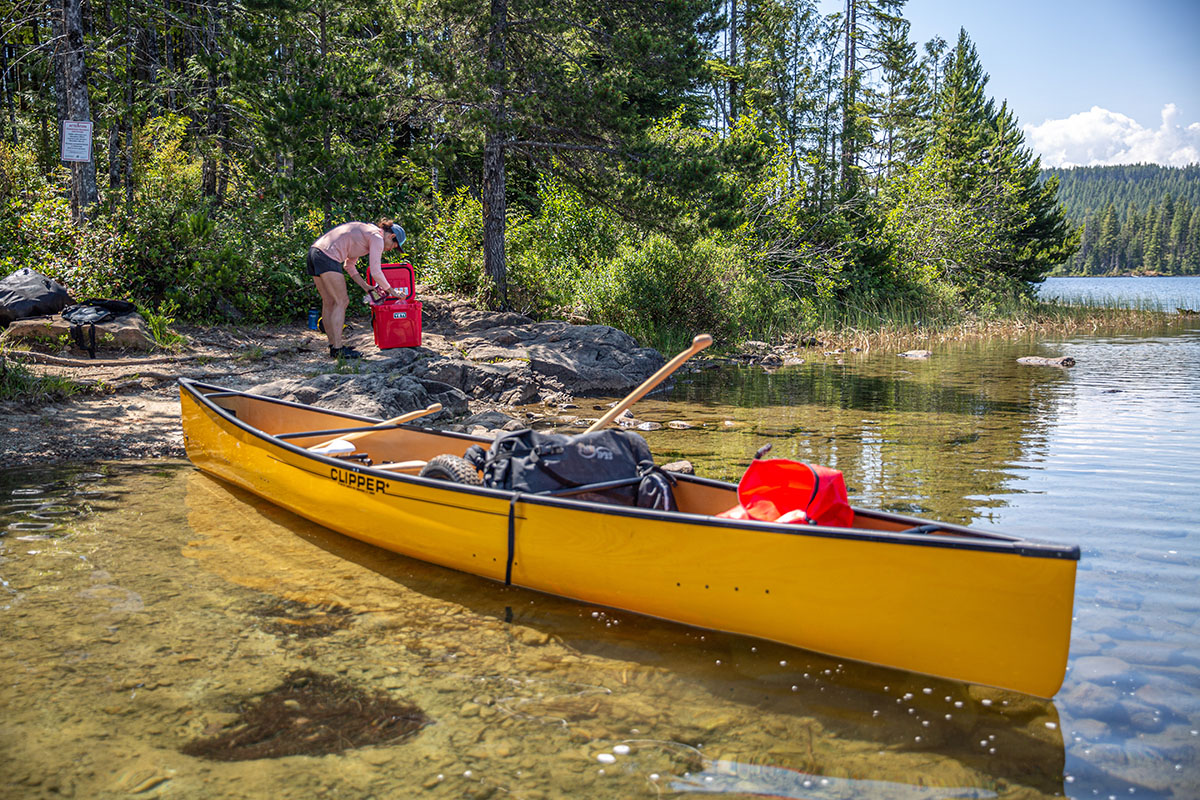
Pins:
x,y
1132,233
569,86
315,78
1193,242
1177,238
902,85
1087,260
1152,236
962,116
1110,241
978,156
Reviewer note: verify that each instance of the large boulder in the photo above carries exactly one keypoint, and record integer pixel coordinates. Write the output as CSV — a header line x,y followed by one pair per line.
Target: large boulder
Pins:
x,y
509,359
471,355
557,357
126,332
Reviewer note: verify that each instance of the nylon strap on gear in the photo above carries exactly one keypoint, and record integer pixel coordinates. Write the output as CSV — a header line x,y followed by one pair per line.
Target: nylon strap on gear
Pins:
x,y
512,537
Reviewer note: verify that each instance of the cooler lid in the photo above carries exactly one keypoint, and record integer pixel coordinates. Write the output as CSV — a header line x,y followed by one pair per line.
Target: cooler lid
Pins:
x,y
401,276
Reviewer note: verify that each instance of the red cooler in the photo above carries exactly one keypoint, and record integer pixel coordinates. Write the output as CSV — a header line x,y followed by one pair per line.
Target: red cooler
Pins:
x,y
397,320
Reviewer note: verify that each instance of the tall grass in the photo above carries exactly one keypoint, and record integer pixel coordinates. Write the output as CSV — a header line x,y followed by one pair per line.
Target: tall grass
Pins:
x,y
900,326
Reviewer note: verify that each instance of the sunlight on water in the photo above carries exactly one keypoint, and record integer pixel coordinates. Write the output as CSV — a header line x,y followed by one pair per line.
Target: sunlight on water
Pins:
x,y
157,618
150,605
730,777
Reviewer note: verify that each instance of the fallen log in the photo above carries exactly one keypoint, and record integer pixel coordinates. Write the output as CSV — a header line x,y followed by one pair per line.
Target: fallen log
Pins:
x,y
1038,361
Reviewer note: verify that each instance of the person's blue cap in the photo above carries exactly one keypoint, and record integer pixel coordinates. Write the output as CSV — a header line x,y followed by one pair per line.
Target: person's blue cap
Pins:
x,y
396,229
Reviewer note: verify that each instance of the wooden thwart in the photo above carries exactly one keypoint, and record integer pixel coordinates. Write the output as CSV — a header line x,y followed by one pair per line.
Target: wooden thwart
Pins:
x,y
402,466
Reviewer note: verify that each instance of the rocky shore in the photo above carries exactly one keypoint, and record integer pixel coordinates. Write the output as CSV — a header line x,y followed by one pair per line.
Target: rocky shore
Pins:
x,y
481,366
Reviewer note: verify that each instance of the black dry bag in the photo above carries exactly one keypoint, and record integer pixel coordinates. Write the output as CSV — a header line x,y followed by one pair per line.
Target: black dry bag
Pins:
x,y
27,293
534,462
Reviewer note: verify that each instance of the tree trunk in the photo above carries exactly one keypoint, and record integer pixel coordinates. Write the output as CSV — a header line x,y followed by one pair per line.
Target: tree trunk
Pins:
x,y
60,69
733,60
326,140
209,169
223,115
83,174
493,189
849,121
114,162
38,85
114,128
169,43
7,77
128,116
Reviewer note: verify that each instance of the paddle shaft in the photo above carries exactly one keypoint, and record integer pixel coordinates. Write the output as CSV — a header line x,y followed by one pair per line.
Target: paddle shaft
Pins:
x,y
411,415
699,343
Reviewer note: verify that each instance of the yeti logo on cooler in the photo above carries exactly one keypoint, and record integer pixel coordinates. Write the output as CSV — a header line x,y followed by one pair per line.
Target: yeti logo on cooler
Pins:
x,y
399,315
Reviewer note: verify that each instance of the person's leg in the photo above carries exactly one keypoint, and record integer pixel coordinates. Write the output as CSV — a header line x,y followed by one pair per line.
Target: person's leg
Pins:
x,y
326,304
334,302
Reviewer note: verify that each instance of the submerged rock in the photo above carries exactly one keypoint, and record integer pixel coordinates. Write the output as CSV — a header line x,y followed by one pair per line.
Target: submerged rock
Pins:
x,y
310,714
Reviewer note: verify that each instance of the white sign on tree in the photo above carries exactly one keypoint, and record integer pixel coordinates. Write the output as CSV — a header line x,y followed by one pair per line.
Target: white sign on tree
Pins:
x,y
76,141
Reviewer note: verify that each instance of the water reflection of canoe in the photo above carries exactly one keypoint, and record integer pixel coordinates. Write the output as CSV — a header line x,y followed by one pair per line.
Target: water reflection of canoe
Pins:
x,y
954,602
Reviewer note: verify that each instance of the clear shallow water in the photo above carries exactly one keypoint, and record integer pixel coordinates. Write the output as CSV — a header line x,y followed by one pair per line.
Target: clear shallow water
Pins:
x,y
149,609
169,607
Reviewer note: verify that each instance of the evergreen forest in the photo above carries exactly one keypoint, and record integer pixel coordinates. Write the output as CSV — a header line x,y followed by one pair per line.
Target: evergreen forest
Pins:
x,y
745,168
1133,219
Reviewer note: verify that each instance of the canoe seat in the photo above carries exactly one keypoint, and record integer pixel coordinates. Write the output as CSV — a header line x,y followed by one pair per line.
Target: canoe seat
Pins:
x,y
402,466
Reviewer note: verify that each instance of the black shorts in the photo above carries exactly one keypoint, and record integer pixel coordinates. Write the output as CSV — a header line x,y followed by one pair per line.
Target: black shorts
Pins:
x,y
319,262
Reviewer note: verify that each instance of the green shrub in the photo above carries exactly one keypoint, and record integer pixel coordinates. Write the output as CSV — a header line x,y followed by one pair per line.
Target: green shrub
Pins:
x,y
654,291
454,246
160,321
549,253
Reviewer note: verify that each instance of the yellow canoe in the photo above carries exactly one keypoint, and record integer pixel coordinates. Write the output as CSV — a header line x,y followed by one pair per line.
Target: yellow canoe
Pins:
x,y
952,602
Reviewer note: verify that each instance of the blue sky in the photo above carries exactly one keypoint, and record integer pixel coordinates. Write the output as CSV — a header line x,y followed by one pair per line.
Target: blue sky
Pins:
x,y
1091,81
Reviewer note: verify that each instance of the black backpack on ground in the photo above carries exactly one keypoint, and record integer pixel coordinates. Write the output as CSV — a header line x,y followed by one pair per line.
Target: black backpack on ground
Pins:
x,y
550,463
90,313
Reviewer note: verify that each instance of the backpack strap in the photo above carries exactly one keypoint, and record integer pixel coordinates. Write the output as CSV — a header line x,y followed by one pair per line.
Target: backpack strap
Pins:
x,y
88,344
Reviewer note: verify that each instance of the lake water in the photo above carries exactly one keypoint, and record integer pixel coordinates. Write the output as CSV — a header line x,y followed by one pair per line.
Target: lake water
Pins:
x,y
146,606
1167,294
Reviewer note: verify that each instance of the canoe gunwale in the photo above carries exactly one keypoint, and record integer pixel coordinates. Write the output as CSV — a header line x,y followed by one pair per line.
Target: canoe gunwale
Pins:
x,y
966,538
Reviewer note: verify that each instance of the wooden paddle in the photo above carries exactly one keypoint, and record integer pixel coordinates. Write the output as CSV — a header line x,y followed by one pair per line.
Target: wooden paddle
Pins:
x,y
411,415
699,343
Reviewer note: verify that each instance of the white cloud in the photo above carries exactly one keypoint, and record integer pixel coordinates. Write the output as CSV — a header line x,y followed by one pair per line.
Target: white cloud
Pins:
x,y
1101,137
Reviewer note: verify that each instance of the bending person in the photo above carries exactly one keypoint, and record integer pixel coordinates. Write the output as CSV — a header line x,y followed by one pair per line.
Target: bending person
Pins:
x,y
340,249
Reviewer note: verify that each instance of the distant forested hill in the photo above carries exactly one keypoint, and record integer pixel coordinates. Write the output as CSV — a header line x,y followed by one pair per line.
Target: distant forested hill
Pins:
x,y
1135,218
